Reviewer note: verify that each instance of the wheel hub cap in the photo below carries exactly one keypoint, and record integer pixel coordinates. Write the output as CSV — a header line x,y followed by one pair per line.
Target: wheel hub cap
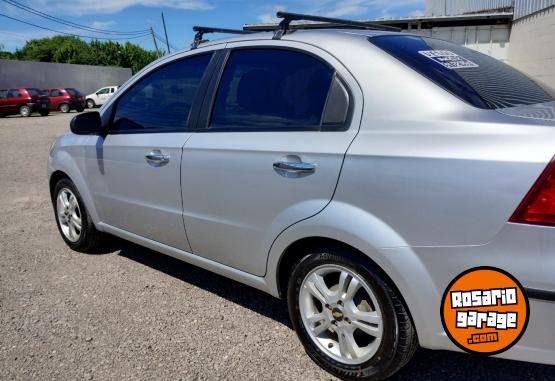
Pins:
x,y
337,314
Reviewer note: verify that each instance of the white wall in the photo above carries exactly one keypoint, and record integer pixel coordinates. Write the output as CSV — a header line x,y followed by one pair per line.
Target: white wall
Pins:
x,y
460,7
492,40
533,46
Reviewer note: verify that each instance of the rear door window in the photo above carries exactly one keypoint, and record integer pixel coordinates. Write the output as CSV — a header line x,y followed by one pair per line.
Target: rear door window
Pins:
x,y
14,93
56,93
271,89
476,78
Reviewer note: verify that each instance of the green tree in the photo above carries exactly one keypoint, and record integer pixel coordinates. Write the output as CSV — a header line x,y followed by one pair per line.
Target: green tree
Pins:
x,y
5,55
68,49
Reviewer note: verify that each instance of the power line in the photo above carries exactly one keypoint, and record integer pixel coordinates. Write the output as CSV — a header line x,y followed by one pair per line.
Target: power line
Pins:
x,y
73,34
162,40
70,23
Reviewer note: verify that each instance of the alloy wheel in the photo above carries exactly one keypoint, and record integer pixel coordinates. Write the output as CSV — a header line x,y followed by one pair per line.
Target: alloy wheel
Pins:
x,y
341,314
69,214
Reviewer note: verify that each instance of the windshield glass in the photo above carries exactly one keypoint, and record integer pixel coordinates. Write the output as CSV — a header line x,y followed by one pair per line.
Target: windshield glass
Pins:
x,y
476,78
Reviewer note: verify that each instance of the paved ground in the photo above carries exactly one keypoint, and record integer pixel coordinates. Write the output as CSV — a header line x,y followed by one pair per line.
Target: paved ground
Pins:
x,y
130,313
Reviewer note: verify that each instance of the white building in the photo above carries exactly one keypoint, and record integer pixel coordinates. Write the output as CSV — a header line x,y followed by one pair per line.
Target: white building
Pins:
x,y
527,42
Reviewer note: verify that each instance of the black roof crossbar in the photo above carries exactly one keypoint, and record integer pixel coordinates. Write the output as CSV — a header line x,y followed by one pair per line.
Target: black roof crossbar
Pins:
x,y
287,17
201,30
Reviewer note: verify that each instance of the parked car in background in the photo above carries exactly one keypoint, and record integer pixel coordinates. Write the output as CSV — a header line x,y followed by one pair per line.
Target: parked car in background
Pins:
x,y
23,101
100,96
65,99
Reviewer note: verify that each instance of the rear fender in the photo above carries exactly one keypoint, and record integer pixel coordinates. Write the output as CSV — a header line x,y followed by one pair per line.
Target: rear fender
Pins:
x,y
381,244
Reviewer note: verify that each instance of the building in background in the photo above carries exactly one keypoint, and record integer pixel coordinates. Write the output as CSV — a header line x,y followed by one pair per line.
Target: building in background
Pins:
x,y
518,32
527,43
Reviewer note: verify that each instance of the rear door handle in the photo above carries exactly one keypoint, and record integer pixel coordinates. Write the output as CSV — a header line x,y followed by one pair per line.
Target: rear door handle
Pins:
x,y
288,167
157,158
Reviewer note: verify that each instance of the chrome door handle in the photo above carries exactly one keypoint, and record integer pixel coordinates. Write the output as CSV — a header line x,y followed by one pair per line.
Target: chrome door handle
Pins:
x,y
157,158
294,167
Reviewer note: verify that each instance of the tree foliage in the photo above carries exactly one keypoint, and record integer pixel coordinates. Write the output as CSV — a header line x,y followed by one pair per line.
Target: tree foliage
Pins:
x,y
72,50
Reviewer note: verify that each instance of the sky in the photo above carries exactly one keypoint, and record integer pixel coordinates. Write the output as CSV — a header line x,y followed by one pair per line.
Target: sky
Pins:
x,y
180,15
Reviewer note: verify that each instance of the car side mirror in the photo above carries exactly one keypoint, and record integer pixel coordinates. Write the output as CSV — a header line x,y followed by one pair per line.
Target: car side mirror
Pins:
x,y
87,123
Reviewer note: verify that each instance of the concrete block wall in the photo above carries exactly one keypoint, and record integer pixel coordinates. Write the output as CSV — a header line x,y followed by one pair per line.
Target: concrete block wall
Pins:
x,y
84,78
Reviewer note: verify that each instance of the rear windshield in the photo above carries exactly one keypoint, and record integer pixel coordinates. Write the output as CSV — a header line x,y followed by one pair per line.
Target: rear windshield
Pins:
x,y
474,77
73,91
34,92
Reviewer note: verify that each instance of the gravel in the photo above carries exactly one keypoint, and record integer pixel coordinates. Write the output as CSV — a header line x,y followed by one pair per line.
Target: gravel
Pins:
x,y
131,313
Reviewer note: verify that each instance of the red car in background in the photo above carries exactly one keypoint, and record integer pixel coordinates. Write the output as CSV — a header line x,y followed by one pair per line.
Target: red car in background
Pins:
x,y
23,101
65,99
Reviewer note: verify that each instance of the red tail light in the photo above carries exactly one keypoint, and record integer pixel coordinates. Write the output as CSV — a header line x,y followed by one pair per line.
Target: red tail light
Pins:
x,y
538,207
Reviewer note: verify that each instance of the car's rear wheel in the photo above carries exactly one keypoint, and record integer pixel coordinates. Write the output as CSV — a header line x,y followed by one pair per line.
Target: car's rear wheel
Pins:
x,y
72,218
25,111
44,113
64,107
349,319
90,103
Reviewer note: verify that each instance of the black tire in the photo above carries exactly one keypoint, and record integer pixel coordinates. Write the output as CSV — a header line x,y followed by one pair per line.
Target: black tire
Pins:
x,y
399,341
89,238
25,111
90,103
80,109
64,107
44,113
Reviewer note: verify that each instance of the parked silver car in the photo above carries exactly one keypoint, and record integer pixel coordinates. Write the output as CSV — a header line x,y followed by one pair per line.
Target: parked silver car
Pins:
x,y
353,172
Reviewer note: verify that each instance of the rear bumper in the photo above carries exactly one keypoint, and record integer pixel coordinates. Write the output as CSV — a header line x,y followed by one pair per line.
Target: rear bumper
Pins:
x,y
39,106
528,253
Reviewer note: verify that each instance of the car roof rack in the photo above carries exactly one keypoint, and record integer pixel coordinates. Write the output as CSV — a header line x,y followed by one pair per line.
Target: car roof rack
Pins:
x,y
201,30
284,25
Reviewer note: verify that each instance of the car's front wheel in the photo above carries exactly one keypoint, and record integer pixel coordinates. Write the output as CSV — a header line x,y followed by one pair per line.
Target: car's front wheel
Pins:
x,y
90,103
72,218
349,319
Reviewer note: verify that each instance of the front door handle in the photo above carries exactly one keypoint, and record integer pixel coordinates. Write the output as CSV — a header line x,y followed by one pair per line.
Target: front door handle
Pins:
x,y
157,158
291,168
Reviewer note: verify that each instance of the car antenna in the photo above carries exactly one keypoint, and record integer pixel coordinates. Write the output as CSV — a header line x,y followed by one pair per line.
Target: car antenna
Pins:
x,y
287,17
201,30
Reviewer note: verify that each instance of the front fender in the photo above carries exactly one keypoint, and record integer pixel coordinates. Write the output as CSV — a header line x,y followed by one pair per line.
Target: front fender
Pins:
x,y
371,236
70,159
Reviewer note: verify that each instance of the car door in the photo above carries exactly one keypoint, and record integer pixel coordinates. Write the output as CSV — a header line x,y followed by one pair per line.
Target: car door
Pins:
x,y
56,97
14,100
4,101
268,151
103,95
135,170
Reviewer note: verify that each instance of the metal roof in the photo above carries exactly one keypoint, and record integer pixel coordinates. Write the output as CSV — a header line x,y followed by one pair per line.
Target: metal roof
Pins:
x,y
469,19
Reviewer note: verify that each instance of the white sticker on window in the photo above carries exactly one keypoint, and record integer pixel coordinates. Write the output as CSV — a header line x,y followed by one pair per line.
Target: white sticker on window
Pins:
x,y
448,59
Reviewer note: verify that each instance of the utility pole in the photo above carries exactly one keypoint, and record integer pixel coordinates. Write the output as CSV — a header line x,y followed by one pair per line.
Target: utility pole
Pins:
x,y
155,43
166,33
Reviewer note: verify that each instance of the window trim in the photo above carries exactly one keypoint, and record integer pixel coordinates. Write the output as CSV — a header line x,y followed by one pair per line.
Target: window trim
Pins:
x,y
192,118
205,116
